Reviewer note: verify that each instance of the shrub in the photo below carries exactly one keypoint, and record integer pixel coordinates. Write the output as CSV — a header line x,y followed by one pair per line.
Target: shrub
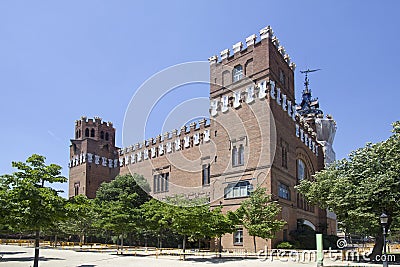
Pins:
x,y
284,245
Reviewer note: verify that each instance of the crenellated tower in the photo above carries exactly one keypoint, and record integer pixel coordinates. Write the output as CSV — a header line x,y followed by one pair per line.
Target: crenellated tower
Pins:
x,y
93,156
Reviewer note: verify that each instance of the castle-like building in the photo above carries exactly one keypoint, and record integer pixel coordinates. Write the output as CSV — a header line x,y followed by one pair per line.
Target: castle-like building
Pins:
x,y
256,135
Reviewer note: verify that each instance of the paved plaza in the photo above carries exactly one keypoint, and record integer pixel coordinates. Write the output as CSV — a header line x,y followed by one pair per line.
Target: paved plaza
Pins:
x,y
16,256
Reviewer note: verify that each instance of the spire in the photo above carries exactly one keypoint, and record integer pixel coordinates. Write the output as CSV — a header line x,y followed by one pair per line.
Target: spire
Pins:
x,y
308,106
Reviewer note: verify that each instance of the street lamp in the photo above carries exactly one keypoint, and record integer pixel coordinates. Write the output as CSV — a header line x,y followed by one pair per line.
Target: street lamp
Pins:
x,y
384,221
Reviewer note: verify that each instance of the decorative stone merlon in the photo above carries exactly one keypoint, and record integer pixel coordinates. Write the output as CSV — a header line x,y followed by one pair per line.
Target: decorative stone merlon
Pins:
x,y
251,40
281,50
237,47
225,54
213,59
166,135
266,33
192,125
292,65
287,58
183,130
275,41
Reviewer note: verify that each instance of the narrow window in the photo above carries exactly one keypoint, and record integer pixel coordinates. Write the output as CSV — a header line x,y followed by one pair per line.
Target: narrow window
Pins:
x,y
79,133
285,235
107,136
301,170
76,189
238,237
284,156
166,182
237,73
206,174
76,135
241,155
92,133
234,156
102,135
282,77
86,132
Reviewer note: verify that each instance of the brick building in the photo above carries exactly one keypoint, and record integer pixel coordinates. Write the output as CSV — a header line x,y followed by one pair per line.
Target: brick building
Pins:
x,y
256,136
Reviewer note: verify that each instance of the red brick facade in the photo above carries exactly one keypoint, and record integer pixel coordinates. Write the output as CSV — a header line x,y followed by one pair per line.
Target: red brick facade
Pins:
x,y
253,138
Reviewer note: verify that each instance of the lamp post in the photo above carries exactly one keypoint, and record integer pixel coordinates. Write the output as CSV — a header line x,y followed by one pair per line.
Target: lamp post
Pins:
x,y
384,221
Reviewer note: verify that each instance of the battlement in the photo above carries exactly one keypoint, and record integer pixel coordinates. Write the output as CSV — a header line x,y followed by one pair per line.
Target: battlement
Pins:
x,y
95,121
251,42
194,134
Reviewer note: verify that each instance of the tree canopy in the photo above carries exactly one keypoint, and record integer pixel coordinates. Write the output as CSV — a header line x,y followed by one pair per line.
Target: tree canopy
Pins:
x,y
118,204
360,188
259,215
30,204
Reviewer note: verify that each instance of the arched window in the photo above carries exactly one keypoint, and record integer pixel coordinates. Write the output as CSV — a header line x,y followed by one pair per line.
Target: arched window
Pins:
x,y
92,133
102,135
86,132
237,73
226,78
79,133
241,155
76,135
107,136
301,170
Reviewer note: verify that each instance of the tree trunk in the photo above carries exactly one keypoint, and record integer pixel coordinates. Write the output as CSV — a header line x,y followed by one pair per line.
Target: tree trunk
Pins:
x,y
378,247
184,246
55,241
37,241
122,244
81,239
220,246
255,244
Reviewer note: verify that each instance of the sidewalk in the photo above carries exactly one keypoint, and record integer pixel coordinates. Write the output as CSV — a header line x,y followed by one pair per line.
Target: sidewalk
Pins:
x,y
15,256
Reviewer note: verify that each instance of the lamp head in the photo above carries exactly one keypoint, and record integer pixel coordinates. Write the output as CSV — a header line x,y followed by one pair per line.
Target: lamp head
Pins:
x,y
384,219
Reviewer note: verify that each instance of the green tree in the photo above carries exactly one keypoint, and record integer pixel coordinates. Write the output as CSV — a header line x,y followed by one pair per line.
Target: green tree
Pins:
x,y
187,216
81,216
360,188
217,224
119,204
157,218
259,215
31,205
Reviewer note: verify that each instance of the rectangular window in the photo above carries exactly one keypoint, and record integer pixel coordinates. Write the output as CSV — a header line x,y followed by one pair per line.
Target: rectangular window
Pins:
x,y
285,235
234,156
76,189
284,191
206,174
238,237
284,154
241,189
237,73
160,182
241,155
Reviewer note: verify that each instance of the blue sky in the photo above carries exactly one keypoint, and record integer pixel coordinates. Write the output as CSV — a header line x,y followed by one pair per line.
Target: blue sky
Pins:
x,y
60,60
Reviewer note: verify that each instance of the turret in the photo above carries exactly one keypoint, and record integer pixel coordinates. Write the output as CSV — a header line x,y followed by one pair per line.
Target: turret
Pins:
x,y
93,156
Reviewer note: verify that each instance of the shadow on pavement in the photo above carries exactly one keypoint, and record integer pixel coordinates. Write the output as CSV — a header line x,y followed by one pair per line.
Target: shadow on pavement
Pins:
x,y
216,260
12,252
25,259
